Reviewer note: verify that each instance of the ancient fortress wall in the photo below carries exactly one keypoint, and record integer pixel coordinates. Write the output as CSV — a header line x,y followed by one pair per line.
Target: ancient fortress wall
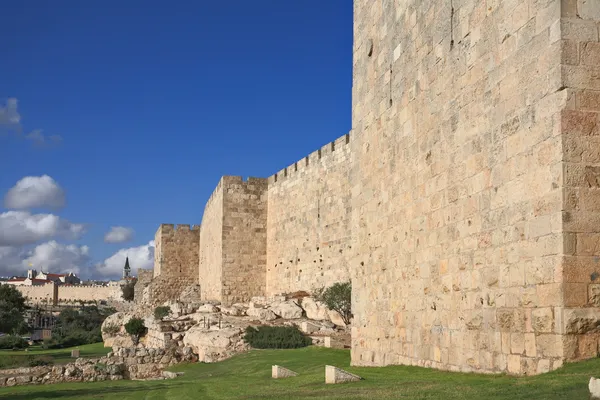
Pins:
x,y
144,278
244,238
176,251
88,292
464,112
308,222
580,141
211,246
43,294
55,294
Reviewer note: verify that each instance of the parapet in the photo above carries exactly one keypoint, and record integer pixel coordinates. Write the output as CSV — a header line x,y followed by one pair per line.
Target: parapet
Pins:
x,y
169,228
312,159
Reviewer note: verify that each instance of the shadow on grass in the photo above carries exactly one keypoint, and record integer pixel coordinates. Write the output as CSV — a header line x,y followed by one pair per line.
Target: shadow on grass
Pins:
x,y
57,391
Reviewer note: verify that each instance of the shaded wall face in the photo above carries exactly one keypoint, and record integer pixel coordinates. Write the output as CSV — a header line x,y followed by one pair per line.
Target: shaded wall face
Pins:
x,y
458,185
580,125
211,247
244,239
308,224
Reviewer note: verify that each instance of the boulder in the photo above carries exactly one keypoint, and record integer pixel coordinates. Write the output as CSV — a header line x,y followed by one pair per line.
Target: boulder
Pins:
x,y
336,318
236,310
594,387
261,314
287,310
212,346
315,310
207,308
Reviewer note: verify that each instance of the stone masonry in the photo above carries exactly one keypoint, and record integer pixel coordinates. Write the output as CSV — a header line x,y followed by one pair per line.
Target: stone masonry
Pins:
x,y
464,205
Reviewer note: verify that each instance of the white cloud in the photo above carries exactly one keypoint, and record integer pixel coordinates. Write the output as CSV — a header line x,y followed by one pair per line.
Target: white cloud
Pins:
x,y
118,234
139,257
35,191
10,119
57,258
9,115
22,227
48,257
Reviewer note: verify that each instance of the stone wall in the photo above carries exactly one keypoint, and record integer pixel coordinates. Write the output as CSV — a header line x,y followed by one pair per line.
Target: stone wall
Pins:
x,y
71,293
244,238
459,185
43,294
309,214
144,277
176,251
580,140
211,246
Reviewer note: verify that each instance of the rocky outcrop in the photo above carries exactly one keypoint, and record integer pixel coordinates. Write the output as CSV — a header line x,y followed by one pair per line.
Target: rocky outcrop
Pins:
x,y
287,310
214,345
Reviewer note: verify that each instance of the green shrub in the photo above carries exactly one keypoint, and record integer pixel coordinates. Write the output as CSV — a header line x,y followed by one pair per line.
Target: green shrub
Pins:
x,y
40,361
276,337
136,328
13,342
161,311
337,297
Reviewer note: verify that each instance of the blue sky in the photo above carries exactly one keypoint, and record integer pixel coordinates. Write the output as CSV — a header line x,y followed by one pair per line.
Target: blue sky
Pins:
x,y
155,101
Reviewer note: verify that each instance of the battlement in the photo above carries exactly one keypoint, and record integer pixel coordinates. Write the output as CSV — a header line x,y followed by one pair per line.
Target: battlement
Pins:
x,y
167,228
320,155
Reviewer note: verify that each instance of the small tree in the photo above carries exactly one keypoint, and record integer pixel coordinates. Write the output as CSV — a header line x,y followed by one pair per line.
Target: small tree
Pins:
x,y
136,328
128,291
12,306
337,297
161,311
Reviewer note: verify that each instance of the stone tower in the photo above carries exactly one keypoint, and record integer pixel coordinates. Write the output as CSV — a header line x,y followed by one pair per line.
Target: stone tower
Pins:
x,y
477,184
126,269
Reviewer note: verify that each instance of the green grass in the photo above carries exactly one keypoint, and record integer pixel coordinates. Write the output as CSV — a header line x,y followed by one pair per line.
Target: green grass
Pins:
x,y
248,376
20,358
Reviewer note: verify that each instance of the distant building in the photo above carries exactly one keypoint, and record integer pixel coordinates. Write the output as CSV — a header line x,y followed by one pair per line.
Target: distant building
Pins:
x,y
69,278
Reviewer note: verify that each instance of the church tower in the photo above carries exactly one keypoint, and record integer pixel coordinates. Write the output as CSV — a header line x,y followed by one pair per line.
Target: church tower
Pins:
x,y
126,269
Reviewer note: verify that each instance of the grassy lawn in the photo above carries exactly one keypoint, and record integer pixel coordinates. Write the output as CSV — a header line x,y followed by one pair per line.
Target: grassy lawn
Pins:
x,y
20,358
248,376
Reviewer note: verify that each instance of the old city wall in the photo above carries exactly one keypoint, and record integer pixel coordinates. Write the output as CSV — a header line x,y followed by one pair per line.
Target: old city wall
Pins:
x,y
580,129
176,251
244,238
211,246
43,294
88,293
144,278
465,259
308,223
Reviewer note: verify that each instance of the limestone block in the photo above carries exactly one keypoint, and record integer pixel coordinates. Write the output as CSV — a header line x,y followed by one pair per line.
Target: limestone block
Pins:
x,y
594,387
582,320
589,9
336,318
207,308
309,327
281,372
333,343
337,375
75,353
262,314
287,310
314,309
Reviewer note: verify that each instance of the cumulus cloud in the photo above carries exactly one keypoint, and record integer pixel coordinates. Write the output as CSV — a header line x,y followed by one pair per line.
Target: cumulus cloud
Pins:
x,y
22,227
118,234
139,257
48,257
10,120
58,258
35,191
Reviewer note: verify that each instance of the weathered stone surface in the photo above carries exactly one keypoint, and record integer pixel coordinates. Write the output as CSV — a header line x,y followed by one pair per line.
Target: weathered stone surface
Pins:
x,y
278,372
580,321
333,343
315,310
287,310
337,375
207,308
594,387
212,346
236,310
261,314
309,327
